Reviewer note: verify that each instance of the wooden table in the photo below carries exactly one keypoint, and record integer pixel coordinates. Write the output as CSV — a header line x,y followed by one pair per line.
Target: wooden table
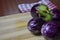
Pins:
x,y
8,7
14,27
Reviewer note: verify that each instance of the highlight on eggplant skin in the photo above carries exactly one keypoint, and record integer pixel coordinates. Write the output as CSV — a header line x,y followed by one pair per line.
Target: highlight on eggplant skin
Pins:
x,y
37,24
56,12
50,29
34,25
34,11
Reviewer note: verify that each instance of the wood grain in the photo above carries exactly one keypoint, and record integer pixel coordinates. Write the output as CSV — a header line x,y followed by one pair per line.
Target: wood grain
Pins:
x,y
14,27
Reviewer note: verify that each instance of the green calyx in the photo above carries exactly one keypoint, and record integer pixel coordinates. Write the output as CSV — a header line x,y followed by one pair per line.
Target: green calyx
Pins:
x,y
44,12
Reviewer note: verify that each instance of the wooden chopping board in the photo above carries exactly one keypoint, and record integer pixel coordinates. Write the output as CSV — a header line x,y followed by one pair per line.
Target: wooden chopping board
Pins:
x,y
14,27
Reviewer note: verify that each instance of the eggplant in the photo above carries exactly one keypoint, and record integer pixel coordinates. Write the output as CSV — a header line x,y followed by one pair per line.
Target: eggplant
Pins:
x,y
35,24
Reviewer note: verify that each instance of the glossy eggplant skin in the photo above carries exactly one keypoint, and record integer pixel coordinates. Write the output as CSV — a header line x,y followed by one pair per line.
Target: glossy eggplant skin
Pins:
x,y
34,25
34,13
56,12
50,29
37,25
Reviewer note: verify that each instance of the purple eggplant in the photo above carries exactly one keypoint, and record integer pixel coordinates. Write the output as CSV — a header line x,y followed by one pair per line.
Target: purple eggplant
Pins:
x,y
34,25
56,12
50,29
34,11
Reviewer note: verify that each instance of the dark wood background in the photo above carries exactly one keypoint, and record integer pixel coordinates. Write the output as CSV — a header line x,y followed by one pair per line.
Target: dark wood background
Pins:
x,y
8,7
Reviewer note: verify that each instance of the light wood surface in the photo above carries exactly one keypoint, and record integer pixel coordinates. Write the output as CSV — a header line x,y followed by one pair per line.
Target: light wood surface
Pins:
x,y
14,27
